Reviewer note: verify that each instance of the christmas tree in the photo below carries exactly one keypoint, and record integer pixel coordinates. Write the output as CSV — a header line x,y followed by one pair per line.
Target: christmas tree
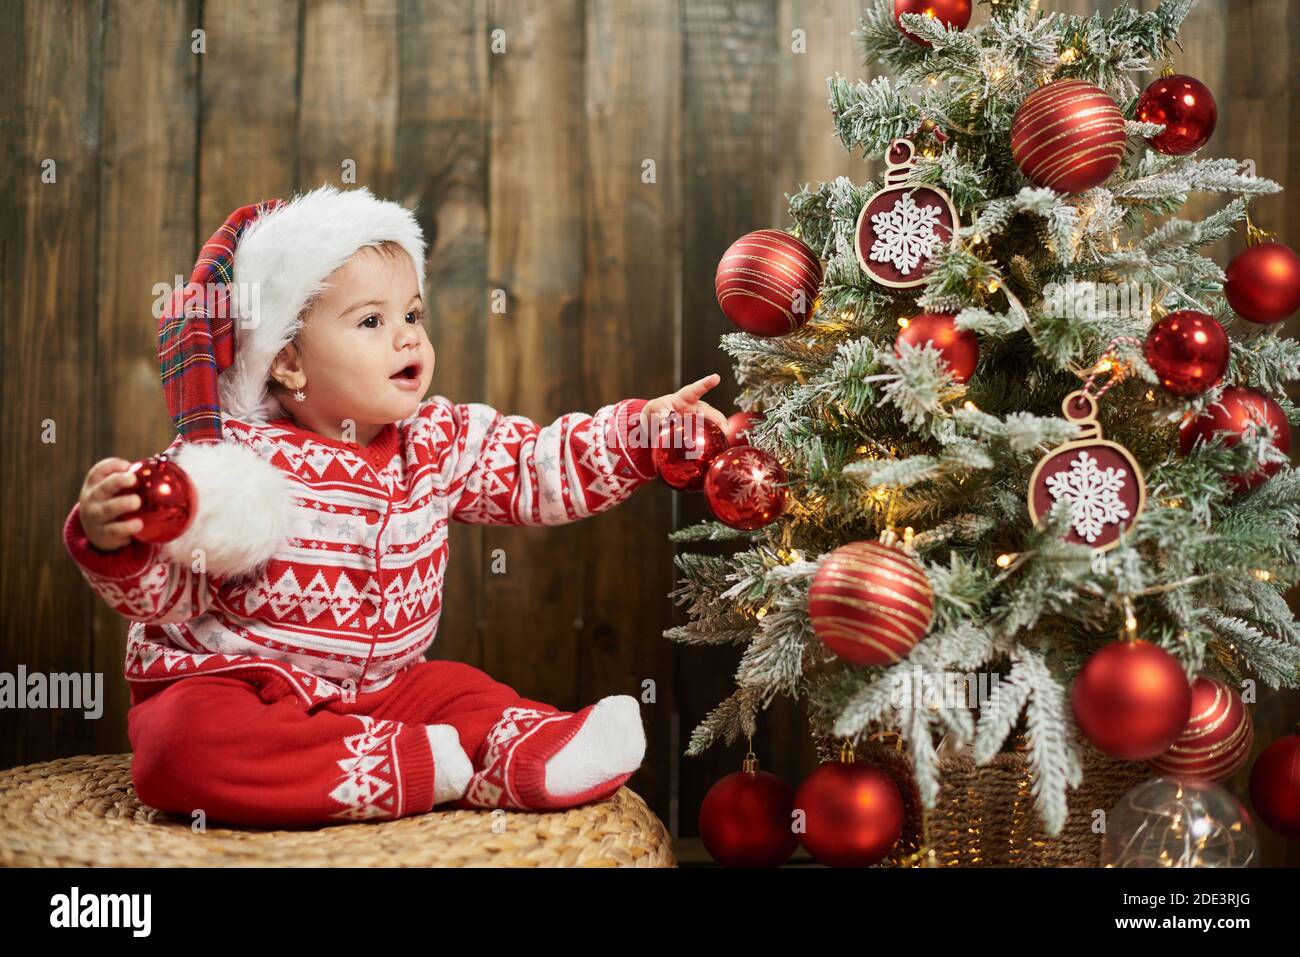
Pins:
x,y
1020,368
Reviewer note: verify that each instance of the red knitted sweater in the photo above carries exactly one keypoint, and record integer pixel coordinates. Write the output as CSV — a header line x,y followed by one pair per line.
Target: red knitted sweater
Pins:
x,y
355,596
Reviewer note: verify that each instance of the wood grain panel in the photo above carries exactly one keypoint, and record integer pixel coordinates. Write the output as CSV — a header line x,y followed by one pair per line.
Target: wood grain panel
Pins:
x,y
248,112
48,354
348,94
535,254
633,262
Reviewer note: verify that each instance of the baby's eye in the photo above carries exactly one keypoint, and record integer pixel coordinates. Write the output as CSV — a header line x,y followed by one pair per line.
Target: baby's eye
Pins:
x,y
374,316
415,316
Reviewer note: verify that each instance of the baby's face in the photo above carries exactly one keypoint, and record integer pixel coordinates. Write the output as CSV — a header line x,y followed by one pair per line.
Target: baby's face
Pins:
x,y
366,354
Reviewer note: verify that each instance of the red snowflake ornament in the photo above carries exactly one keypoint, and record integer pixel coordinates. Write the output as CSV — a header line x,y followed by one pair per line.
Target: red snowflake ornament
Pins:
x,y
1100,479
901,228
745,488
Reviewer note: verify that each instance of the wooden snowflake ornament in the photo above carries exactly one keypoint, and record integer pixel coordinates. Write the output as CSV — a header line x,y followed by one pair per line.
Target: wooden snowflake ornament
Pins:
x,y
901,228
1100,480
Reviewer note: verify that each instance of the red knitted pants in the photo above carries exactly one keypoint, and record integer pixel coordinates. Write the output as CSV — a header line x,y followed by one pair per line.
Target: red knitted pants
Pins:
x,y
211,743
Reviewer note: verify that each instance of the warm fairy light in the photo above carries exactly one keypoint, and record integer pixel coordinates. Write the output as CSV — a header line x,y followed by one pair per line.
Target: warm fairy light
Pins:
x,y
1005,560
908,535
993,285
1105,365
1151,395
1069,55
970,406
761,613
976,239
1130,623
1262,574
903,322
862,450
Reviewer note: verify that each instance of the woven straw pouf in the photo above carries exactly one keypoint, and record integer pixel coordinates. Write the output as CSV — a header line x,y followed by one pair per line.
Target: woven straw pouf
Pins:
x,y
82,811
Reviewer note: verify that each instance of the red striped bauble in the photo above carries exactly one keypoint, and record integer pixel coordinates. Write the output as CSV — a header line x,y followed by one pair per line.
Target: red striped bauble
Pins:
x,y
870,603
767,282
1068,135
1217,740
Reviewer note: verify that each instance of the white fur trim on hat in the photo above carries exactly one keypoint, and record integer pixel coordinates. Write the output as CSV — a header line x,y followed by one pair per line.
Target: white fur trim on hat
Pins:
x,y
245,509
281,264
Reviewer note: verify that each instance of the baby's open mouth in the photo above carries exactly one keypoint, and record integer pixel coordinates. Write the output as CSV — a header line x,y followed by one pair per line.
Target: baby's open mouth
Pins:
x,y
411,371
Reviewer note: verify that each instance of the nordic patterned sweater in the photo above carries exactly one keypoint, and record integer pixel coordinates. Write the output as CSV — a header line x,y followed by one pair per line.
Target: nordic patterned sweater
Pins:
x,y
355,596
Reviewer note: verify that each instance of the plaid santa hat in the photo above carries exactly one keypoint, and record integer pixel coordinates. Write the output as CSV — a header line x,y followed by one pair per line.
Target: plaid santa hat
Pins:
x,y
219,336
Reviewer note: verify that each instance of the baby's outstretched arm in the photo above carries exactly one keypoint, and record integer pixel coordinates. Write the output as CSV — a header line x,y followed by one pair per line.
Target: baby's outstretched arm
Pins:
x,y
508,470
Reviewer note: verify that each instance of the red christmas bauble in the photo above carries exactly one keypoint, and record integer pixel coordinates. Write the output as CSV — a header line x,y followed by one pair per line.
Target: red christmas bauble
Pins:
x,y
1275,786
767,282
738,426
1262,283
1238,412
1131,700
853,814
870,603
685,447
1068,135
746,820
745,488
1217,740
951,13
1185,106
1189,351
168,500
960,347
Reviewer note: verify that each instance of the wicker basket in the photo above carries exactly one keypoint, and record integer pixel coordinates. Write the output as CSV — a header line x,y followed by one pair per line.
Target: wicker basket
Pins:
x,y
83,811
985,815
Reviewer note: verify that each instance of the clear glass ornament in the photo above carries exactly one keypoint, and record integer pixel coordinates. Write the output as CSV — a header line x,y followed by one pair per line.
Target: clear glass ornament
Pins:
x,y
1167,823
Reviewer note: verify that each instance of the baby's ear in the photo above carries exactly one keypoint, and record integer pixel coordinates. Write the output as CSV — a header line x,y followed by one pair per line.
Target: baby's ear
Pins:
x,y
287,363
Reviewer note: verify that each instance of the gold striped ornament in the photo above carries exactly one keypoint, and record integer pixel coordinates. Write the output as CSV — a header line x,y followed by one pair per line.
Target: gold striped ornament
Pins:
x,y
870,603
1068,136
1217,740
767,282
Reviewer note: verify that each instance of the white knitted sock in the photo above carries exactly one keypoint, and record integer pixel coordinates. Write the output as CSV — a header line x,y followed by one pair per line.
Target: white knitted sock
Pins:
x,y
610,742
451,765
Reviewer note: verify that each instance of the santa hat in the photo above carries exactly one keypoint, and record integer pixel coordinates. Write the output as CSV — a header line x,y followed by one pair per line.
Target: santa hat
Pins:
x,y
219,336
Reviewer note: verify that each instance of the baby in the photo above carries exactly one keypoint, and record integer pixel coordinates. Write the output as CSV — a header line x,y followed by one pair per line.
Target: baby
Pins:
x,y
276,653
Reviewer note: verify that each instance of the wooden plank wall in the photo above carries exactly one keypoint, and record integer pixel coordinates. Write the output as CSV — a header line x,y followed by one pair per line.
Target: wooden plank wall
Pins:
x,y
591,167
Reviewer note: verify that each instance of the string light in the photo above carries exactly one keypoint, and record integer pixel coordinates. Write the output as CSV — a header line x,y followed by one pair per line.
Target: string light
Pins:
x,y
970,406
1262,574
1005,559
1069,55
903,322
993,285
908,535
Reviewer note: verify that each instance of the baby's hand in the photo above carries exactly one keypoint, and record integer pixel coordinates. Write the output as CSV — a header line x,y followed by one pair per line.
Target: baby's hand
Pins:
x,y
685,400
100,506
